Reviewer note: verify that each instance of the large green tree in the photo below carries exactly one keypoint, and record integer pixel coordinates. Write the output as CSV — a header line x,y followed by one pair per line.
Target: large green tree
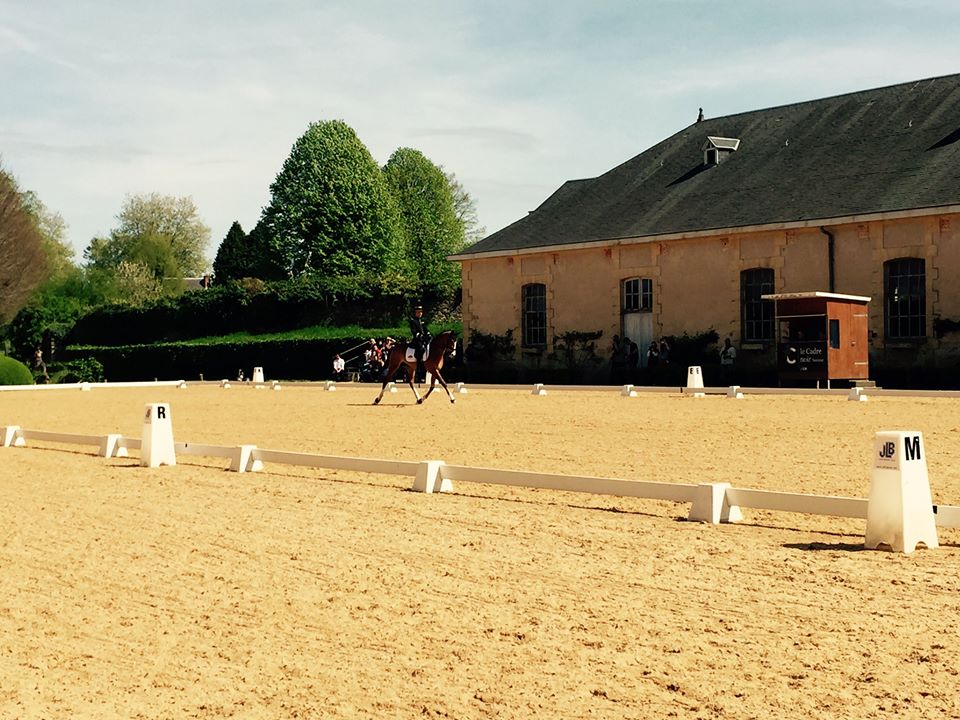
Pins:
x,y
23,264
162,233
428,219
330,212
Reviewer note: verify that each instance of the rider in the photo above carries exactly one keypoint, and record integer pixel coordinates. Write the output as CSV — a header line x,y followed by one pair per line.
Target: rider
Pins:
x,y
421,338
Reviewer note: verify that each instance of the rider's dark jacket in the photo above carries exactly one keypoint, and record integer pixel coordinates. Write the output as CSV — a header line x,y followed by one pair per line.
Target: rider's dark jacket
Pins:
x,y
418,330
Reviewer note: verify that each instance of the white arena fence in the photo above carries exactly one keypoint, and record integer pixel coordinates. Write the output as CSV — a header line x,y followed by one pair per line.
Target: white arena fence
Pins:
x,y
538,388
709,502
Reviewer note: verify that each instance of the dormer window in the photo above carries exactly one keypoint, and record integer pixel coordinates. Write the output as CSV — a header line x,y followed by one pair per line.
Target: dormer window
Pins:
x,y
717,149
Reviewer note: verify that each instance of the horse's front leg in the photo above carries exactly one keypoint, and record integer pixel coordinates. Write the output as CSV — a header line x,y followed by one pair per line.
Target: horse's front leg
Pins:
x,y
433,382
443,384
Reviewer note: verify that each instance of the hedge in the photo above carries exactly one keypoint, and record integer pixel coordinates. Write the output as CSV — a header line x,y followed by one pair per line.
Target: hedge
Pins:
x,y
286,359
230,308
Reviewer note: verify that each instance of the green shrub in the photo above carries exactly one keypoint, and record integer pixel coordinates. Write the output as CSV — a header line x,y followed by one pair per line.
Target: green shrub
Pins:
x,y
87,369
14,372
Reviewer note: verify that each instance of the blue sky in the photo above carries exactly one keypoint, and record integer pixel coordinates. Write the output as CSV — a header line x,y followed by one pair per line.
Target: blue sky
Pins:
x,y
101,100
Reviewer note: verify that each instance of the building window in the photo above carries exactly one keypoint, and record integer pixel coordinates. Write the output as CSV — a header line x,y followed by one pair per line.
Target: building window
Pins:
x,y
637,295
905,298
534,318
756,315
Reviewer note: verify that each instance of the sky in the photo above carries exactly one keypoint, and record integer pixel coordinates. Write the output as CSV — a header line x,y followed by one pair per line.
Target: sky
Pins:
x,y
101,100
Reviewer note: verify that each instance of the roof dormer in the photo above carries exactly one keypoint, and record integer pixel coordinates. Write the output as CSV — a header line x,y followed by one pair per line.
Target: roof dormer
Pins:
x,y
716,149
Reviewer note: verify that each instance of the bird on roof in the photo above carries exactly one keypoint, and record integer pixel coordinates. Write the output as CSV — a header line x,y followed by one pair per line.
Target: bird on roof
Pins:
x,y
700,116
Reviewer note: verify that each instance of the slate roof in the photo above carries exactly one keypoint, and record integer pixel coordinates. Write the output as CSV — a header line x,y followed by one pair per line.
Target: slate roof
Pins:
x,y
889,149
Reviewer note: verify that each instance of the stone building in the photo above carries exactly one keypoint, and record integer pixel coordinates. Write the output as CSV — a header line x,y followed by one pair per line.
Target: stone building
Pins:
x,y
856,194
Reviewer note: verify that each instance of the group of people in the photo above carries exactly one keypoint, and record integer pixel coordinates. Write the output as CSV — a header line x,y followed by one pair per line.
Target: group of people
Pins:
x,y
373,360
375,356
625,358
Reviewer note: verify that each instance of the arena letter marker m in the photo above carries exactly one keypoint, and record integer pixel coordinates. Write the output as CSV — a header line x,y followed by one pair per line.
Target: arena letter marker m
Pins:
x,y
900,508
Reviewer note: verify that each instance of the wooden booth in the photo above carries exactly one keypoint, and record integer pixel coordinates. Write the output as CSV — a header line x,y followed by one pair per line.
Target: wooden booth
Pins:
x,y
821,336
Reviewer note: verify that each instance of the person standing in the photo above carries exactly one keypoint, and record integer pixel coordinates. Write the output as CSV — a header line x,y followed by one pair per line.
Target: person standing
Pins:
x,y
664,351
633,361
728,355
40,367
338,367
616,361
420,339
653,355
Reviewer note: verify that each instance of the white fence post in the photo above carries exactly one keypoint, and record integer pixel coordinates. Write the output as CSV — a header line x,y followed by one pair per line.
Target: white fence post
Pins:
x,y
710,505
13,436
430,478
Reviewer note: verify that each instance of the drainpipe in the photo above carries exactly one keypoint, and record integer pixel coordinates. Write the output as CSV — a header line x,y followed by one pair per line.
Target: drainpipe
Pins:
x,y
830,258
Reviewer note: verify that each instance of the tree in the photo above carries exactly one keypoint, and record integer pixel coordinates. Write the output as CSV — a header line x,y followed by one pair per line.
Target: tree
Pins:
x,y
23,265
232,261
428,219
241,255
53,232
160,232
466,210
330,212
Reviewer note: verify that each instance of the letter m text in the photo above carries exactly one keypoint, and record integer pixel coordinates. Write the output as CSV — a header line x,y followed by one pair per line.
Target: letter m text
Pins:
x,y
911,446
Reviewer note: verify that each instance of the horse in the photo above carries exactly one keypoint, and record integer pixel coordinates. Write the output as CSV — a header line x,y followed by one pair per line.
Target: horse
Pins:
x,y
443,344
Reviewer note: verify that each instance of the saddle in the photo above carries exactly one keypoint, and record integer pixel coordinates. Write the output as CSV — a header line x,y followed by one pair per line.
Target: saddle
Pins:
x,y
411,355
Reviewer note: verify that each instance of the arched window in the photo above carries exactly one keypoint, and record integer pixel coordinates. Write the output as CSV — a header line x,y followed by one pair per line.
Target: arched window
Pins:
x,y
533,318
905,298
756,315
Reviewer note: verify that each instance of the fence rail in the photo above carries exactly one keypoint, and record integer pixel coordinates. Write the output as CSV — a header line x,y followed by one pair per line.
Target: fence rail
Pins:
x,y
250,457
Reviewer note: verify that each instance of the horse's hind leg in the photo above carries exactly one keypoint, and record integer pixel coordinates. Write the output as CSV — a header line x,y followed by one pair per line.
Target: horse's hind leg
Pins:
x,y
387,377
410,374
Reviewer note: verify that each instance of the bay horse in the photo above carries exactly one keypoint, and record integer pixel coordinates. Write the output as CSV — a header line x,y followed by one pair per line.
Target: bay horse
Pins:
x,y
443,344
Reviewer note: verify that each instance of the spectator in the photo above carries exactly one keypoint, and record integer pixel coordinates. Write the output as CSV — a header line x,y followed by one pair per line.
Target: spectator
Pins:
x,y
664,351
339,367
728,354
616,368
633,361
40,367
653,355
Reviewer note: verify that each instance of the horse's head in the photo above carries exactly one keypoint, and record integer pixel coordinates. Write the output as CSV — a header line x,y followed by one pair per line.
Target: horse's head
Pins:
x,y
450,347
